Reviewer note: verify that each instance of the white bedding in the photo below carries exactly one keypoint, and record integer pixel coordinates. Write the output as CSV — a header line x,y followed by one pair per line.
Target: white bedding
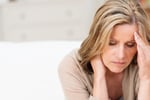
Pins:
x,y
28,70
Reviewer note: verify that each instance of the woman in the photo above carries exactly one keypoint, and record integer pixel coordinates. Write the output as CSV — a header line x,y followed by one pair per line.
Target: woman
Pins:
x,y
113,62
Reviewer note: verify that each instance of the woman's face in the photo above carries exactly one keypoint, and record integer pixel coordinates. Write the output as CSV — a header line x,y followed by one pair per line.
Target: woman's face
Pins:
x,y
121,49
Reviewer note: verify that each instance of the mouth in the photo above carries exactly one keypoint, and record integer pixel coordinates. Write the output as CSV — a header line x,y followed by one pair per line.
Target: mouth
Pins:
x,y
119,62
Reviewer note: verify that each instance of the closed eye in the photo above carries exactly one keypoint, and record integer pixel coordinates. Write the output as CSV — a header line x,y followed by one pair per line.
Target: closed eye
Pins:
x,y
112,42
130,44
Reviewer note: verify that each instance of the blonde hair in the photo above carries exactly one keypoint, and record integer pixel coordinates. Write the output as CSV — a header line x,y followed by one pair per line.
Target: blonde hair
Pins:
x,y
110,14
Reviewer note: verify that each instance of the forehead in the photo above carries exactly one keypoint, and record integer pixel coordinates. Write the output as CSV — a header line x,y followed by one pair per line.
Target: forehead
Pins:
x,y
124,32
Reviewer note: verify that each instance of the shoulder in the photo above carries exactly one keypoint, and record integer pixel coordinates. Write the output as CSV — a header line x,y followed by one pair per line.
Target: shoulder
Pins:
x,y
75,82
71,72
70,63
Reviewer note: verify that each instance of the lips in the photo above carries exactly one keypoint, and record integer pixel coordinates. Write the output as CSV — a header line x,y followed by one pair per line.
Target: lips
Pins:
x,y
119,62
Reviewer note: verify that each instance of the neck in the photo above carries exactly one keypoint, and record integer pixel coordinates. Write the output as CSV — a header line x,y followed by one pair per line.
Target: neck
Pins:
x,y
114,84
110,74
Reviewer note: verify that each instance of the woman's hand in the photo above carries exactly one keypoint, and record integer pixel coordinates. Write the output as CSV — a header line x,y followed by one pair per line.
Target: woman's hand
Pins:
x,y
143,58
98,66
99,86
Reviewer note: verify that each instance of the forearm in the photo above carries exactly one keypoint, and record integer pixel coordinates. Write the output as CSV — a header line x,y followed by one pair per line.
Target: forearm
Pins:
x,y
144,90
100,89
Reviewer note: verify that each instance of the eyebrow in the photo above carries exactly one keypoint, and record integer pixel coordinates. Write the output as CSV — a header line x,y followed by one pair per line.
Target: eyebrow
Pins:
x,y
132,41
127,41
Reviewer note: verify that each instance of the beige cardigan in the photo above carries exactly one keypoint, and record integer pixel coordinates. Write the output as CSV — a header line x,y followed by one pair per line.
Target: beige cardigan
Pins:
x,y
78,85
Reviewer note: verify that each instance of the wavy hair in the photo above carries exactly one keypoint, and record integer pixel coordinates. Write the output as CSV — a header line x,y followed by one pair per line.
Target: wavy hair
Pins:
x,y
110,14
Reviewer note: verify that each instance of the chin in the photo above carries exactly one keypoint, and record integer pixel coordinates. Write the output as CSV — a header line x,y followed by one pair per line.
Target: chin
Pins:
x,y
117,70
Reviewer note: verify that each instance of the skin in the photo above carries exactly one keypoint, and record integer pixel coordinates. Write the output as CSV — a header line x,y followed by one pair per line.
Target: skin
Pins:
x,y
110,65
121,49
143,60
108,68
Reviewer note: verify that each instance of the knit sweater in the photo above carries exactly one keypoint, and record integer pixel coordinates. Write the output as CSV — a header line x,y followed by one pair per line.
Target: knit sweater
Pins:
x,y
78,85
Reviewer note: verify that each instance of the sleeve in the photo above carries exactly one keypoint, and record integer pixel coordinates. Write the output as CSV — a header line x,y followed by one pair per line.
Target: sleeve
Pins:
x,y
72,81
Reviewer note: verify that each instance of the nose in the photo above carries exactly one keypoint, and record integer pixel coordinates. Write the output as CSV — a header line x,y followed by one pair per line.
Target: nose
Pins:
x,y
121,52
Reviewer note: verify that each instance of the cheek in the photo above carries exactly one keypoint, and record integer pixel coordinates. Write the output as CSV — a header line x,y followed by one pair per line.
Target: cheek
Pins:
x,y
131,53
108,52
106,57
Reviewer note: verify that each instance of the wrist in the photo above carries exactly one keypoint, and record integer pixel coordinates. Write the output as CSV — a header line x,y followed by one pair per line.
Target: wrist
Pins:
x,y
100,84
145,78
144,90
144,81
99,77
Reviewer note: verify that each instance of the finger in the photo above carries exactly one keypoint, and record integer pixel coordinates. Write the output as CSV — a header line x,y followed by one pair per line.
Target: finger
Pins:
x,y
96,60
141,52
140,45
138,40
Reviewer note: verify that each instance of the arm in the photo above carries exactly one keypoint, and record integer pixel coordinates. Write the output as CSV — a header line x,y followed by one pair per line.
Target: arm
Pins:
x,y
72,81
144,90
144,68
99,88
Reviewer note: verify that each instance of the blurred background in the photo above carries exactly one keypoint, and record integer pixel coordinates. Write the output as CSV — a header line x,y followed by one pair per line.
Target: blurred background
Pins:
x,y
30,20
28,70
33,20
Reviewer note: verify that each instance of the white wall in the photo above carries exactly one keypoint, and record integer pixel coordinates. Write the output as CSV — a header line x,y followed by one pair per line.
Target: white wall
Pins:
x,y
3,1
93,5
27,20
